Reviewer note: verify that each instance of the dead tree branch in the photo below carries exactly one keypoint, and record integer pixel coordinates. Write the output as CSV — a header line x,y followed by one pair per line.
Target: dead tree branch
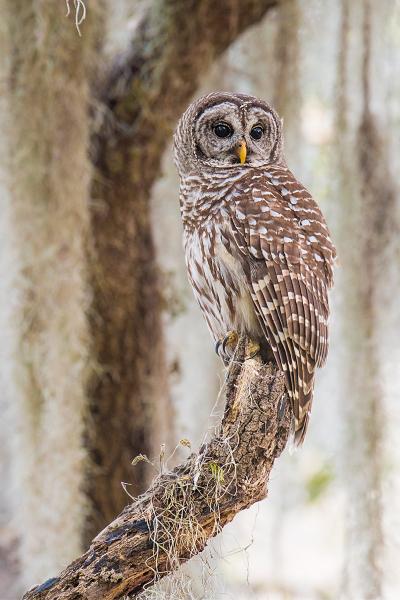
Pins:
x,y
186,507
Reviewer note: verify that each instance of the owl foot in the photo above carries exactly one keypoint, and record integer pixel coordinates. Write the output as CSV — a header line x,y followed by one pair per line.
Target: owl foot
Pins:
x,y
226,346
252,349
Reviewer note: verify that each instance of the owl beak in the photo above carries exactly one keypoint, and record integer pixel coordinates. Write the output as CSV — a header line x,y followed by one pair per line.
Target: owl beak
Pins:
x,y
241,152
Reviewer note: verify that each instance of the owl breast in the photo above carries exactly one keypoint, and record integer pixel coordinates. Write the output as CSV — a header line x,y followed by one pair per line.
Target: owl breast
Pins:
x,y
218,280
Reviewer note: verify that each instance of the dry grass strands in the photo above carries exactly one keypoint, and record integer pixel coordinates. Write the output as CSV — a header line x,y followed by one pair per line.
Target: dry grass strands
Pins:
x,y
80,13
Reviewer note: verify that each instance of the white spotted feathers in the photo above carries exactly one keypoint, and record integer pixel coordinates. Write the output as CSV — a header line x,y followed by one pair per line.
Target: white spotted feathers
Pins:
x,y
258,251
289,278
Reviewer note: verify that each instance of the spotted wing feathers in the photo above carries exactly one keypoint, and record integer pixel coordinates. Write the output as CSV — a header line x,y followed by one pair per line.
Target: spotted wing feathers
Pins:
x,y
283,236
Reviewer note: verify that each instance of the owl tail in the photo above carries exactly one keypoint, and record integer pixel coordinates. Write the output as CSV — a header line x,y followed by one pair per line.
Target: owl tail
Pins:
x,y
302,406
301,430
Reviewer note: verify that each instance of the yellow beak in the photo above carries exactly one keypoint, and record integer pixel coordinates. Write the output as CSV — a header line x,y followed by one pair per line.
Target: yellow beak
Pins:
x,y
241,152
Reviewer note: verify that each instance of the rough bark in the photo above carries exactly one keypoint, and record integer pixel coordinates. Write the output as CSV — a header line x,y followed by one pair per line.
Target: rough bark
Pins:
x,y
137,104
184,508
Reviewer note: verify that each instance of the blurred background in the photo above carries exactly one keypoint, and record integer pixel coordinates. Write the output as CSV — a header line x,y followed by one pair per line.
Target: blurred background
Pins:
x,y
103,352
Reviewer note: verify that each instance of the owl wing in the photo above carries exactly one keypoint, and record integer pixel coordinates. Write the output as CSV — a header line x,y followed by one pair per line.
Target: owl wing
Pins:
x,y
288,260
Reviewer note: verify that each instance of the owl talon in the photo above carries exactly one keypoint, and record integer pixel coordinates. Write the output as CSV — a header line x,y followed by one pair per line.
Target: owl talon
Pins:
x,y
230,340
225,346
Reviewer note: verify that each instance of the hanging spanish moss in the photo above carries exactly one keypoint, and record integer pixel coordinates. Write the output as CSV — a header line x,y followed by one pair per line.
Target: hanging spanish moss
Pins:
x,y
47,355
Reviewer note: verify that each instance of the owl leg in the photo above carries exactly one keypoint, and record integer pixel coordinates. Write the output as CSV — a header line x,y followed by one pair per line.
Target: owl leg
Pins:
x,y
226,346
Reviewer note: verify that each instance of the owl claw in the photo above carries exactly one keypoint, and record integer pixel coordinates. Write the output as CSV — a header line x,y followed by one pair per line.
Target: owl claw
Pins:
x,y
230,340
225,346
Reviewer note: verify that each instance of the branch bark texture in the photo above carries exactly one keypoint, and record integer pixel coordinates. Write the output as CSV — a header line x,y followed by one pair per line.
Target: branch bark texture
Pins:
x,y
184,508
139,100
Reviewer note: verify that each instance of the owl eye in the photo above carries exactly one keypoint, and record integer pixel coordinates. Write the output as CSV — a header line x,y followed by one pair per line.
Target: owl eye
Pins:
x,y
223,130
256,132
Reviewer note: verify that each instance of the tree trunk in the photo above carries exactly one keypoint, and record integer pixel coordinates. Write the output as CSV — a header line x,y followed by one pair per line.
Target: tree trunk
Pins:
x,y
287,90
369,228
47,223
140,99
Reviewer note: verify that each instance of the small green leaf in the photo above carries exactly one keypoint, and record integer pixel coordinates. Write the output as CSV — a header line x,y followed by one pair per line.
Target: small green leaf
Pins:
x,y
318,483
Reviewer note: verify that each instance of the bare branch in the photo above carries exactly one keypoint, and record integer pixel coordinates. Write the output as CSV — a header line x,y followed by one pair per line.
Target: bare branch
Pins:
x,y
184,508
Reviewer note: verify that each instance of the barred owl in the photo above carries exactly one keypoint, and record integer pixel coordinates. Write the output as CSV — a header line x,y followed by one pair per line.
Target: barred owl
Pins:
x,y
258,251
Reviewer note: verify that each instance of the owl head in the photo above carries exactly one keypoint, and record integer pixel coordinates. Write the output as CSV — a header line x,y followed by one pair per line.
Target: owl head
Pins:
x,y
224,130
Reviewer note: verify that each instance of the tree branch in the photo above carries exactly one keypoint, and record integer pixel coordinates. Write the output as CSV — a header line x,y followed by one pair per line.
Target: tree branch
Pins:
x,y
184,508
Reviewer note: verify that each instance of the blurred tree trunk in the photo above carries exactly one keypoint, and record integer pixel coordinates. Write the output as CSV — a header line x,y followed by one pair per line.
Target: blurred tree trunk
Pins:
x,y
369,229
287,89
86,368
47,227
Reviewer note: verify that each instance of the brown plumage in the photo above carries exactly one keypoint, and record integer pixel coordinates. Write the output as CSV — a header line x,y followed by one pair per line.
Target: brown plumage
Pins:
x,y
258,250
